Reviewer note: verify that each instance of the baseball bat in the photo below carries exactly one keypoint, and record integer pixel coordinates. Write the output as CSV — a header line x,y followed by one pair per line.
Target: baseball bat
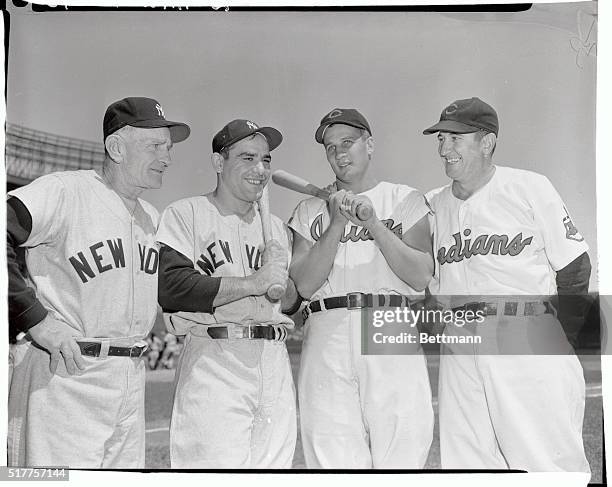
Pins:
x,y
295,183
275,291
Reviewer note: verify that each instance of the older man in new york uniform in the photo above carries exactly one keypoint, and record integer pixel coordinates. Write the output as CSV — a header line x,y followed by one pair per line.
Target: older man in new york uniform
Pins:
x,y
77,396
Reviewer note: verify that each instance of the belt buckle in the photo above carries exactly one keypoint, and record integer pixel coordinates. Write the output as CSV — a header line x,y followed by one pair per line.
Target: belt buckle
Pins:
x,y
535,308
489,309
355,301
250,332
235,332
140,347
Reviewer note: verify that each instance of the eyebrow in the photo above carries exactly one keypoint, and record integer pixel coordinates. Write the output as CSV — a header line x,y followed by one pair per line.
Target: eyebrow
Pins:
x,y
253,154
160,141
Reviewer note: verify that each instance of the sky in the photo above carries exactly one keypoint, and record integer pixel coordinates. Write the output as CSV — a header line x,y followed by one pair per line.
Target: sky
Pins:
x,y
287,69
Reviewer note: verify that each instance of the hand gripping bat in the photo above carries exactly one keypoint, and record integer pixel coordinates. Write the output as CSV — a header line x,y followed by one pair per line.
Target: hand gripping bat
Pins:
x,y
295,183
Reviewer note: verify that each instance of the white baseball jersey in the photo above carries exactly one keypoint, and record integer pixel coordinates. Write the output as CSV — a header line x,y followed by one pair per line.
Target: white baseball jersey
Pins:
x,y
358,411
496,410
93,265
221,246
359,265
506,239
234,402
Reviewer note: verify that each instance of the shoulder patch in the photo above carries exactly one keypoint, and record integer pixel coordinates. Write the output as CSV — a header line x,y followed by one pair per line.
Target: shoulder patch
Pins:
x,y
571,232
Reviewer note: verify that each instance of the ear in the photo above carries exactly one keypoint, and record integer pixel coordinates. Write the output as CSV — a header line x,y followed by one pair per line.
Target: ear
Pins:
x,y
370,146
217,162
488,143
115,147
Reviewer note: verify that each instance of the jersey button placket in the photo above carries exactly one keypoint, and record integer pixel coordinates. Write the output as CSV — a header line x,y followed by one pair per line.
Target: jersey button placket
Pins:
x,y
464,221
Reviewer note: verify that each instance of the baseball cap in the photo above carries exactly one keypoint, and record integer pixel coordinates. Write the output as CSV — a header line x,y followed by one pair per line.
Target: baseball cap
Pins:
x,y
466,116
345,116
239,129
143,113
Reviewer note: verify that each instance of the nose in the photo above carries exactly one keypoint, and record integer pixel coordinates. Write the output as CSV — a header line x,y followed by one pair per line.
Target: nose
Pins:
x,y
260,167
444,147
165,157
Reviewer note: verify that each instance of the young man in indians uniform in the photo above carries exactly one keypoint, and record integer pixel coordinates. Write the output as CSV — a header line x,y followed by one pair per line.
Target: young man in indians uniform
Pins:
x,y
360,411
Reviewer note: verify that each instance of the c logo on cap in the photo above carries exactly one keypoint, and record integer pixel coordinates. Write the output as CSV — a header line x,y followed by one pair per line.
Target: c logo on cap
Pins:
x,y
334,113
252,125
160,110
451,109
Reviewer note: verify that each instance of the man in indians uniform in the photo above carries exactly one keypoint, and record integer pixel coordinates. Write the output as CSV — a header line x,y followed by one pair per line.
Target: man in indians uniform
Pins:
x,y
360,411
500,236
234,404
77,395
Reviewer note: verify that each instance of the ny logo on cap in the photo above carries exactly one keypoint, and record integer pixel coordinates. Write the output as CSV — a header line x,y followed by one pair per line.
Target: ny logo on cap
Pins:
x,y
451,109
252,125
160,110
334,113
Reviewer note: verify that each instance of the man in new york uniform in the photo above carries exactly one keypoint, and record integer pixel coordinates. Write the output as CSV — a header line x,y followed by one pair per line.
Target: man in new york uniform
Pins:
x,y
77,395
234,403
360,411
505,243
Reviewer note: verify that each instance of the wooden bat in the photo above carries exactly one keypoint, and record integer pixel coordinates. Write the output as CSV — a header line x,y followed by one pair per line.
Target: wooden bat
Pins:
x,y
275,291
295,183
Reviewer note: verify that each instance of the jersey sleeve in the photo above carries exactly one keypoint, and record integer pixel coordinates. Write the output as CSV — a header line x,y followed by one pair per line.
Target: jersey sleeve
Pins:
x,y
299,221
25,310
176,228
562,240
47,200
412,208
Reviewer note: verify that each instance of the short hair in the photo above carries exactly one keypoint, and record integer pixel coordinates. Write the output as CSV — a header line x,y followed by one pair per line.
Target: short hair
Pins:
x,y
482,132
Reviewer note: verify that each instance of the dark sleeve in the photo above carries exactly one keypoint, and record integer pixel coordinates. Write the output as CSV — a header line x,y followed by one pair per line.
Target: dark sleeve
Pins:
x,y
181,287
573,299
25,310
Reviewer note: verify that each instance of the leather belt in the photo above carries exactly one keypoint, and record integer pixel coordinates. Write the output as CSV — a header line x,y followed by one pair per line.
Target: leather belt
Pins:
x,y
356,301
93,349
249,332
510,308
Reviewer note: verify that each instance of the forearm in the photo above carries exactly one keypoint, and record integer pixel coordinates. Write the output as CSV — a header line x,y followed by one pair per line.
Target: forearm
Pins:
x,y
232,289
411,265
310,270
291,300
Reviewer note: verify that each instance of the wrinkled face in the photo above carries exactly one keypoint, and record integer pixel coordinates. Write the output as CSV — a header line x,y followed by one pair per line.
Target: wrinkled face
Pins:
x,y
347,150
246,170
462,154
147,156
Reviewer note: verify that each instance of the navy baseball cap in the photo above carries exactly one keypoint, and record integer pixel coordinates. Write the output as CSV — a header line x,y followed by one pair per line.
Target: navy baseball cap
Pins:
x,y
466,116
239,129
345,116
143,113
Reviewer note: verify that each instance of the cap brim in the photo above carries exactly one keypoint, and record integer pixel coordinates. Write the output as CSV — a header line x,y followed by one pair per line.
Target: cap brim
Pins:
x,y
321,130
178,131
451,126
273,136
